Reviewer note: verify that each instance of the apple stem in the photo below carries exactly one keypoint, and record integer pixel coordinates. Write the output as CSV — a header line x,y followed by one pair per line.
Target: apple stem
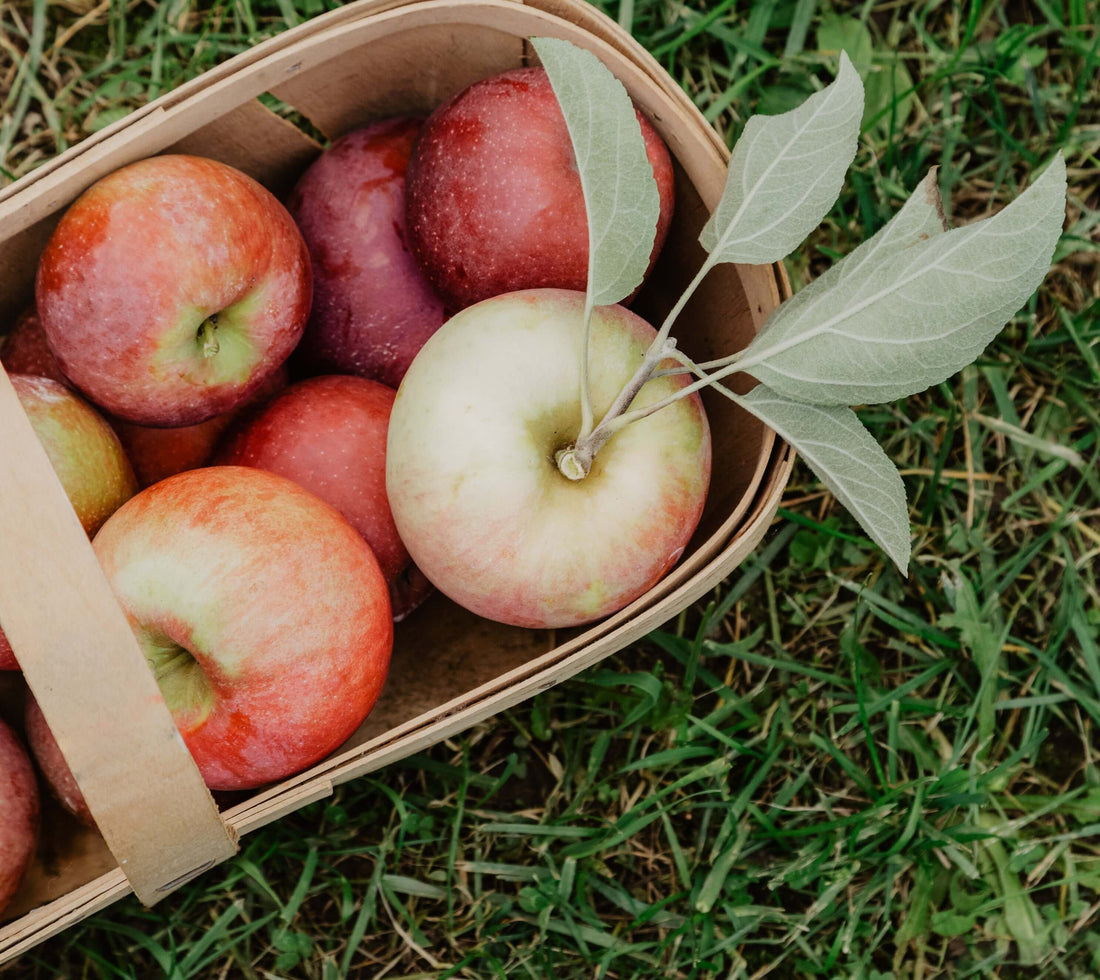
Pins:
x,y
574,462
700,369
587,417
208,334
705,381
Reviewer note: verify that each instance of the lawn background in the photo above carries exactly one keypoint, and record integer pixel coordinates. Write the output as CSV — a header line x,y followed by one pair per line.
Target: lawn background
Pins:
x,y
822,768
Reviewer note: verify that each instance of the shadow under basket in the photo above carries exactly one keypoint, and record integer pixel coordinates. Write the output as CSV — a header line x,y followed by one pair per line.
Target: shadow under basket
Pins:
x,y
261,112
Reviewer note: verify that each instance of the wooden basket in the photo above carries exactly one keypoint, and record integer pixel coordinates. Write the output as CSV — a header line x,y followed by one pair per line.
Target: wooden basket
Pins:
x,y
158,824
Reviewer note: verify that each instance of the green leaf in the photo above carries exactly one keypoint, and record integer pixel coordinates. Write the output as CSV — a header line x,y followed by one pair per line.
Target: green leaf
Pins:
x,y
886,80
951,923
889,96
906,311
846,458
848,34
785,173
620,192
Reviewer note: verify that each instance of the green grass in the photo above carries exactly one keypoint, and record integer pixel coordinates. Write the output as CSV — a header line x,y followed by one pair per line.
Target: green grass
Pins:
x,y
821,769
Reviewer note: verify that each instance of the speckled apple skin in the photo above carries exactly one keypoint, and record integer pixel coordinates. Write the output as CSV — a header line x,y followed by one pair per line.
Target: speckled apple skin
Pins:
x,y
328,434
86,455
494,197
472,481
18,813
142,258
279,603
372,307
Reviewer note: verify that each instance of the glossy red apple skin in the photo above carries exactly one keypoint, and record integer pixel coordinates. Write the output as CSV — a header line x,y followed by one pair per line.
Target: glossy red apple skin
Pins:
x,y
158,453
494,196
148,255
25,350
18,813
328,434
86,455
372,307
471,473
262,612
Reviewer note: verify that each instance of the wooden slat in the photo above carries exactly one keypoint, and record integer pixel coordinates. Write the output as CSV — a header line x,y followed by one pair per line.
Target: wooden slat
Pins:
x,y
89,675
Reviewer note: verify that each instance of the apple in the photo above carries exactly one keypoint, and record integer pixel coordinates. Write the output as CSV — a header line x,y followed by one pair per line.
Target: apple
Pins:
x,y
494,200
18,813
51,763
372,307
471,472
157,453
25,350
154,452
171,288
328,434
262,612
86,455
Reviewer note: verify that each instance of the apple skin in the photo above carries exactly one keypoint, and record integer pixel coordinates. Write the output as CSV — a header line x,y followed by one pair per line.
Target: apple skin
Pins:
x,y
158,453
470,471
494,199
143,259
328,434
372,307
51,763
86,455
25,351
262,612
18,813
154,452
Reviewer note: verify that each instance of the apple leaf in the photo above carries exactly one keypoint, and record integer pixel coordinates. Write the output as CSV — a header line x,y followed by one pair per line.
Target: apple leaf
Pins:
x,y
910,307
785,173
920,218
846,458
620,192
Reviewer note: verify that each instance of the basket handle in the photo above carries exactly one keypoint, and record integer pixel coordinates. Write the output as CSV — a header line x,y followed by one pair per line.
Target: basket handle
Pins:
x,y
88,674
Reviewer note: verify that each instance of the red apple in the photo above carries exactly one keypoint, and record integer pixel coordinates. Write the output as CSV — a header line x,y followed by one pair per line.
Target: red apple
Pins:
x,y
25,350
157,453
86,455
18,813
471,472
372,307
172,288
262,612
47,754
328,434
494,196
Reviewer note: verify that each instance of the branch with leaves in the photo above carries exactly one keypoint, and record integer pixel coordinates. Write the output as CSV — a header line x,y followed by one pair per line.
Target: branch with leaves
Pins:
x,y
908,308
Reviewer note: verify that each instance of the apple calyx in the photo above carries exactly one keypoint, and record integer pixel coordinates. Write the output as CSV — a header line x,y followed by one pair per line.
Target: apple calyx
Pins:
x,y
208,335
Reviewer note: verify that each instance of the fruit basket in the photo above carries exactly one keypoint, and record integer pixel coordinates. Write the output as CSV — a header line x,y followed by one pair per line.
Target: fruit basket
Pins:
x,y
158,825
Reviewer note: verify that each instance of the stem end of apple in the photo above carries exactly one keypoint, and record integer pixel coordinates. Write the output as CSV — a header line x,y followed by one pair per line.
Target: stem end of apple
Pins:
x,y
572,463
208,336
